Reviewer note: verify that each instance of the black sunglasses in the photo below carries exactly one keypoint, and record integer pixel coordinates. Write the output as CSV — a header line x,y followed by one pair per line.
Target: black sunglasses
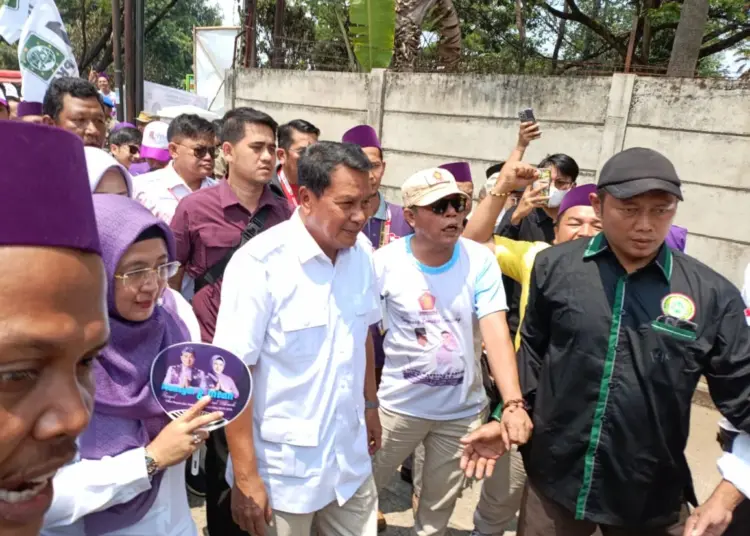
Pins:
x,y
441,206
202,150
134,149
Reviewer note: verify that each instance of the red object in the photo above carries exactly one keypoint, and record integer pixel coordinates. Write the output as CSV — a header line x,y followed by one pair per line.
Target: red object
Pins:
x,y
10,76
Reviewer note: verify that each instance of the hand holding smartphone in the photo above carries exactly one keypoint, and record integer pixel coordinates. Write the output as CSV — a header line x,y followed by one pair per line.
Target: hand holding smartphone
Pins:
x,y
527,115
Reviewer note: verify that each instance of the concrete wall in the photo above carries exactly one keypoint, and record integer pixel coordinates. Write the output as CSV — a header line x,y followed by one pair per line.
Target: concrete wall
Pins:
x,y
429,119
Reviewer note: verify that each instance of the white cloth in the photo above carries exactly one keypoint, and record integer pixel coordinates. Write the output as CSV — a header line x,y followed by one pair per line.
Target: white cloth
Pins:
x,y
432,368
160,191
99,162
735,466
301,322
87,486
187,315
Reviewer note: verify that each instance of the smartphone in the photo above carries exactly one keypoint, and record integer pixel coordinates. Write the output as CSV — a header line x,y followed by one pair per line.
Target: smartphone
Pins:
x,y
527,115
545,178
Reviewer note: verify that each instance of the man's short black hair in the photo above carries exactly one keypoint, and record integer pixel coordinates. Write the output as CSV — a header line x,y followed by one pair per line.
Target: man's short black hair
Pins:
x,y
190,126
125,136
78,88
300,125
218,125
233,129
564,164
319,160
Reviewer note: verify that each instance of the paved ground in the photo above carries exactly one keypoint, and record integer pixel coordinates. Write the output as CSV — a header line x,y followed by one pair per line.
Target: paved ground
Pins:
x,y
702,453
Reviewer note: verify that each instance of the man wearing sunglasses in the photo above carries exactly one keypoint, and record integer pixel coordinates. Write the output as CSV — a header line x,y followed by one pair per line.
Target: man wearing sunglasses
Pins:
x,y
125,145
434,287
192,150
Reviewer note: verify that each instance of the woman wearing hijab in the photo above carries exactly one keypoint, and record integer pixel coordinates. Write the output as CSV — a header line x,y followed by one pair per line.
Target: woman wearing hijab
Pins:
x,y
129,480
106,175
218,381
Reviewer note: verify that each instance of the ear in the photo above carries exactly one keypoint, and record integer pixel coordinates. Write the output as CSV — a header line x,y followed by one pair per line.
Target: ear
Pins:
x,y
280,155
47,120
409,216
383,168
306,200
172,150
596,204
226,148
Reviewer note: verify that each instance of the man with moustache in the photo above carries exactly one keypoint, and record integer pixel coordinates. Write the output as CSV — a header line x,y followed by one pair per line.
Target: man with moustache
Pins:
x,y
618,331
297,302
209,226
434,395
75,105
52,312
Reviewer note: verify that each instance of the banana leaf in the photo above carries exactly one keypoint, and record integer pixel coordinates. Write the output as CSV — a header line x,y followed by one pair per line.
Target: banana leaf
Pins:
x,y
372,31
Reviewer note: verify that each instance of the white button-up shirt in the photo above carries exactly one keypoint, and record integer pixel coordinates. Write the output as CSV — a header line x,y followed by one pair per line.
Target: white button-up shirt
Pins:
x,y
301,322
160,191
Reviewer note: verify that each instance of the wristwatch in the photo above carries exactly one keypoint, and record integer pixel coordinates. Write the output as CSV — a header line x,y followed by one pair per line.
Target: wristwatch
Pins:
x,y
151,466
372,404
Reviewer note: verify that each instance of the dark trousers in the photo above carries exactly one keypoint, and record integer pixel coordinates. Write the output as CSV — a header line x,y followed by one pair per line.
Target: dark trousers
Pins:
x,y
543,517
218,492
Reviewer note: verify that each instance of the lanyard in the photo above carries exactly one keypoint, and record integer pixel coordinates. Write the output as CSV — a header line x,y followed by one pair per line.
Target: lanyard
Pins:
x,y
385,230
288,192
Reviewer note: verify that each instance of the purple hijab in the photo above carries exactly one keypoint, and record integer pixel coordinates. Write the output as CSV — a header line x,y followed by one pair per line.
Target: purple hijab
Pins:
x,y
126,414
677,238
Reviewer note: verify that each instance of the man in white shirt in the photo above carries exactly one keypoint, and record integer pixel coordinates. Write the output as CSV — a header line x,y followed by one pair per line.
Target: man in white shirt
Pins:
x,y
733,493
297,302
192,149
434,285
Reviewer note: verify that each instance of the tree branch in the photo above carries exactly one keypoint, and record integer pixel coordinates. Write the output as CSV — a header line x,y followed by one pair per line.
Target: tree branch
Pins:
x,y
577,15
159,16
100,45
725,43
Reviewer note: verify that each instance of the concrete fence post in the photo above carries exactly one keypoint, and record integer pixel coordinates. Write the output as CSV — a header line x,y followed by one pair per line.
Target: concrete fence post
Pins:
x,y
229,89
375,100
616,121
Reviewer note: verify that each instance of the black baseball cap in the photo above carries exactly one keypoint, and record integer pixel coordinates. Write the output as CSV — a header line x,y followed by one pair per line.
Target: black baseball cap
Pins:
x,y
637,171
494,168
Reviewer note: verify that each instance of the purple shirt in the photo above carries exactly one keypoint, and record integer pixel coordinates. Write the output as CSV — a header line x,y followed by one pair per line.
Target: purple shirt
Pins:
x,y
206,225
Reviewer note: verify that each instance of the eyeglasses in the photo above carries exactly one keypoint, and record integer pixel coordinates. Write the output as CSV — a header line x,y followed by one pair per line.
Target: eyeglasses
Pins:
x,y
441,206
562,184
134,149
201,151
137,278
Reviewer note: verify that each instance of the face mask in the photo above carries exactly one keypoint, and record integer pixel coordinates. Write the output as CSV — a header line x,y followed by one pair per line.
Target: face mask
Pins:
x,y
555,196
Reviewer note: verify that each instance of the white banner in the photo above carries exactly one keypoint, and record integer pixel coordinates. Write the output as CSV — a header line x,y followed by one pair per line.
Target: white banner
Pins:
x,y
44,51
213,55
13,13
156,97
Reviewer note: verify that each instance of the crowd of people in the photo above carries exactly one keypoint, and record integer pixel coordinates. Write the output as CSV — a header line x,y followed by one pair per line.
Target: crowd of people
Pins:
x,y
545,337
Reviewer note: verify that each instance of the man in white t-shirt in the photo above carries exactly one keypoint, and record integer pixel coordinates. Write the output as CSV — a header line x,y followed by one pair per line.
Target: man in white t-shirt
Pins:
x,y
434,286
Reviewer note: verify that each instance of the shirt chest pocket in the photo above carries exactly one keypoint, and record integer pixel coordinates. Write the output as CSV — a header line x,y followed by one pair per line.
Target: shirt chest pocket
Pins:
x,y
216,242
303,331
670,356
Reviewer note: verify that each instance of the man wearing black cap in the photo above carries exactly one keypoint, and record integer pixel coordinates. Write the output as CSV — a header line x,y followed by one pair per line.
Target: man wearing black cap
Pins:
x,y
618,330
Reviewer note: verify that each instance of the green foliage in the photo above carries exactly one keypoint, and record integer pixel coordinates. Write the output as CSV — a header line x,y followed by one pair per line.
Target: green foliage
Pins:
x,y
373,28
